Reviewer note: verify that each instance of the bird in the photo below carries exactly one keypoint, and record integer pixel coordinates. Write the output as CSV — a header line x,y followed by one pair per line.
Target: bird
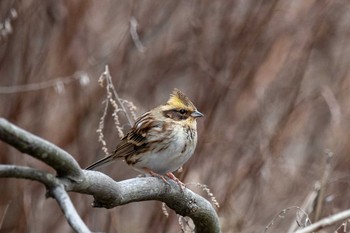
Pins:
x,y
160,141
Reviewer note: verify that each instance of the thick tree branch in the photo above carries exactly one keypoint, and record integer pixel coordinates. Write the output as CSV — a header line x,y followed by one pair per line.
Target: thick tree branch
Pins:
x,y
41,149
107,192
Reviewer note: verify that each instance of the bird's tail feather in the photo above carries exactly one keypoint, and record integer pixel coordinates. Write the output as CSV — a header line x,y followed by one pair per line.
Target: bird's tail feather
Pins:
x,y
102,162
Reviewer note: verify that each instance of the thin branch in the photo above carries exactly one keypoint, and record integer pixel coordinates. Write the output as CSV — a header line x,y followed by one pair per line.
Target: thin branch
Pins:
x,y
120,101
324,181
82,77
69,210
282,214
326,222
60,160
21,172
55,188
307,207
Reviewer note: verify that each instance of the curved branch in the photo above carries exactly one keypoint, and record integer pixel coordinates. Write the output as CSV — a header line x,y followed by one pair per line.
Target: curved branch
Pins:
x,y
60,160
109,193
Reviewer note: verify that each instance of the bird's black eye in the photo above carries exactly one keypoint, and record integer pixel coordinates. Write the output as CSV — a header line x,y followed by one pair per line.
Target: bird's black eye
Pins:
x,y
182,111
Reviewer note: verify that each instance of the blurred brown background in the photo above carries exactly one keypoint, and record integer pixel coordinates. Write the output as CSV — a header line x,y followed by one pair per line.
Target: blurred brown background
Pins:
x,y
271,77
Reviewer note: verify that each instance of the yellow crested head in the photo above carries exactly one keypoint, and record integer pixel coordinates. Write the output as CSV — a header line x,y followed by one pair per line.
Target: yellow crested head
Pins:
x,y
180,108
180,100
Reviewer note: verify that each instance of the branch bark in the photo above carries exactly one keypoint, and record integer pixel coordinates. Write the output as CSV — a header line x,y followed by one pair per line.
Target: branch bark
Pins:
x,y
107,192
55,190
67,207
60,160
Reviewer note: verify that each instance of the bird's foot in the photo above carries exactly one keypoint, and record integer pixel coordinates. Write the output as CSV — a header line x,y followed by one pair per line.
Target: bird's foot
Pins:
x,y
169,175
174,178
152,173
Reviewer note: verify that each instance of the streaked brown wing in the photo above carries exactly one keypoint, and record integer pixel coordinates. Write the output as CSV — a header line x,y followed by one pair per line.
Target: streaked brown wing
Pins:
x,y
136,139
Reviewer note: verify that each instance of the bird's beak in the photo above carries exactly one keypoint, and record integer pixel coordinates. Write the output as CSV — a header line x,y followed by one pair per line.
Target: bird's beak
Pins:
x,y
196,114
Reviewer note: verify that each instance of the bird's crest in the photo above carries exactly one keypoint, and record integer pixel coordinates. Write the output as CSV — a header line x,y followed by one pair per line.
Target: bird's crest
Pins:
x,y
180,100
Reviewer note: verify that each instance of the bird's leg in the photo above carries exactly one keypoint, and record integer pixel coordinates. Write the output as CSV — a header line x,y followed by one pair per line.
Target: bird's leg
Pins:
x,y
152,173
169,175
174,178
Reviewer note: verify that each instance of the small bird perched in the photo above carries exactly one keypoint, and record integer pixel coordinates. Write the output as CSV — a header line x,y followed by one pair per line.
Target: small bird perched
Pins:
x,y
161,140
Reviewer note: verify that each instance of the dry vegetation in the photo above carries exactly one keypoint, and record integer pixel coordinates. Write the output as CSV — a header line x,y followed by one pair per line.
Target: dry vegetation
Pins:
x,y
271,77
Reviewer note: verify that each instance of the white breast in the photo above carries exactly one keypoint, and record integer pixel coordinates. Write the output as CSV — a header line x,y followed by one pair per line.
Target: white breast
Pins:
x,y
172,157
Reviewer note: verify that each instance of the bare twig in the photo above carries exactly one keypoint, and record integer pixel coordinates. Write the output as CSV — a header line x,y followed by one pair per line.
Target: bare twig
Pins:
x,y
307,206
108,77
314,201
118,105
57,83
324,181
282,214
68,209
344,225
112,100
325,222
